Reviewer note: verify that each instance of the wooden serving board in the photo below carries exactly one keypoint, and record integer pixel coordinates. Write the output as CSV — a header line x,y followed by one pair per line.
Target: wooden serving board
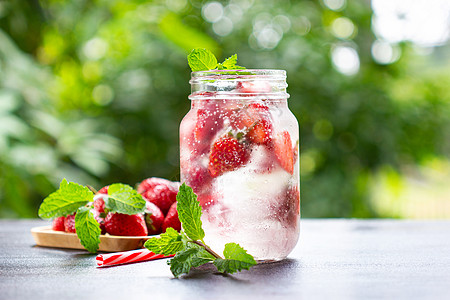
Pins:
x,y
46,237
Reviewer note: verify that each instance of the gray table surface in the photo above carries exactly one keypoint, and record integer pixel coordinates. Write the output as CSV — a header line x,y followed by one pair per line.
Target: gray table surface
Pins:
x,y
334,259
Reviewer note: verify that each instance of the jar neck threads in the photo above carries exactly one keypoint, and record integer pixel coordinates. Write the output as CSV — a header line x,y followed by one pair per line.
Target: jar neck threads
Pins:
x,y
238,84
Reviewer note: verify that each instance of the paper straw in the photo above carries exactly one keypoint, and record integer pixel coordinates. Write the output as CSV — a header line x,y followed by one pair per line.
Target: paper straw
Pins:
x,y
111,259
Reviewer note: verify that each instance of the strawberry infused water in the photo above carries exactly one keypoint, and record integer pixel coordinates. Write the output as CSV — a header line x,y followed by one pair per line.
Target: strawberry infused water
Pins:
x,y
239,152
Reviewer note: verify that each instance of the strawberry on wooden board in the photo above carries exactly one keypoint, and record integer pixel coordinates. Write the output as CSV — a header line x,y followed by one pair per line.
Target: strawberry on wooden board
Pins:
x,y
99,219
161,192
154,218
284,152
227,154
69,224
171,219
125,225
58,224
99,203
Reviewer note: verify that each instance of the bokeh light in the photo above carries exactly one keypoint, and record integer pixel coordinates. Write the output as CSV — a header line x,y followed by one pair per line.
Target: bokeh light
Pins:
x,y
102,94
423,22
212,11
223,27
233,12
345,59
343,28
385,53
95,48
336,5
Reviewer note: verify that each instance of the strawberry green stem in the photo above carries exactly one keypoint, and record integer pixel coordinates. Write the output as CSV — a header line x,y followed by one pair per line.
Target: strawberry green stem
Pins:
x,y
209,250
92,189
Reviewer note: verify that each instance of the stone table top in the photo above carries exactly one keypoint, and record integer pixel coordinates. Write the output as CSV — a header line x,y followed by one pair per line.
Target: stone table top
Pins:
x,y
334,259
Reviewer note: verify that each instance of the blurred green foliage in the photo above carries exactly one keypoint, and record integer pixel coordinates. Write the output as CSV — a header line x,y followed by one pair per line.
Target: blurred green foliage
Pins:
x,y
94,91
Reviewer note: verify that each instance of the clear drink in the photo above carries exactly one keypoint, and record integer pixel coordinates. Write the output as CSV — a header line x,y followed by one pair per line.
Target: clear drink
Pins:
x,y
239,152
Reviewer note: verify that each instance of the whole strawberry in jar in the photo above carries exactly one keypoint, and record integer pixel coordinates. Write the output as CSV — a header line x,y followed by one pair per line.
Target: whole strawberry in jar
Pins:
x,y
239,147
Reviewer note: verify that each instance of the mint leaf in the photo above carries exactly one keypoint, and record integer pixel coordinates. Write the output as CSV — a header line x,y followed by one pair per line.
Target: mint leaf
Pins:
x,y
204,60
168,243
182,262
65,201
88,229
201,60
189,213
236,259
202,257
192,257
124,199
230,64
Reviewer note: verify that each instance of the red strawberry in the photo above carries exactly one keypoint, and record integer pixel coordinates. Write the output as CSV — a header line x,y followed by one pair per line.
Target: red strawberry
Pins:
x,y
100,220
206,200
58,224
103,190
125,225
206,126
260,132
154,218
99,203
289,209
284,152
171,219
257,119
198,178
69,224
161,192
254,87
227,154
296,151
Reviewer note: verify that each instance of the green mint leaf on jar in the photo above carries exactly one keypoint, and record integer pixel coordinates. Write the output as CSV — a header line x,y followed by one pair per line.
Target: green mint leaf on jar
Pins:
x,y
124,199
230,64
189,213
236,259
87,228
201,60
65,201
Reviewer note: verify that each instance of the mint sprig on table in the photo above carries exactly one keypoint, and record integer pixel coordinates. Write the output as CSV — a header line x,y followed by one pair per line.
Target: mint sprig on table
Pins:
x,y
203,60
188,245
72,197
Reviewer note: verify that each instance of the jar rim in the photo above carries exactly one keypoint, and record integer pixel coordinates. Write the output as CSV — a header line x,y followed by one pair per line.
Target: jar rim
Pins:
x,y
265,83
273,73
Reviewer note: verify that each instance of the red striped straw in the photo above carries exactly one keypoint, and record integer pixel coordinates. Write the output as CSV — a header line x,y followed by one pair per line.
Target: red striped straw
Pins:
x,y
111,259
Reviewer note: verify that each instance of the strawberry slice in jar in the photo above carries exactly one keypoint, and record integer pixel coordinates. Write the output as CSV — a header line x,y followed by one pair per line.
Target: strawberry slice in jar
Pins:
x,y
284,152
254,121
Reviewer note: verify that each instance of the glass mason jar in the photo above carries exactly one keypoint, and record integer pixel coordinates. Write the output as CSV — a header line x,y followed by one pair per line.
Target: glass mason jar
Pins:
x,y
239,147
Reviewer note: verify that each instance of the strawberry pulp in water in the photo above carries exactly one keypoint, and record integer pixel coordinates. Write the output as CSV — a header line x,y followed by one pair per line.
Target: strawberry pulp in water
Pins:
x,y
239,152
